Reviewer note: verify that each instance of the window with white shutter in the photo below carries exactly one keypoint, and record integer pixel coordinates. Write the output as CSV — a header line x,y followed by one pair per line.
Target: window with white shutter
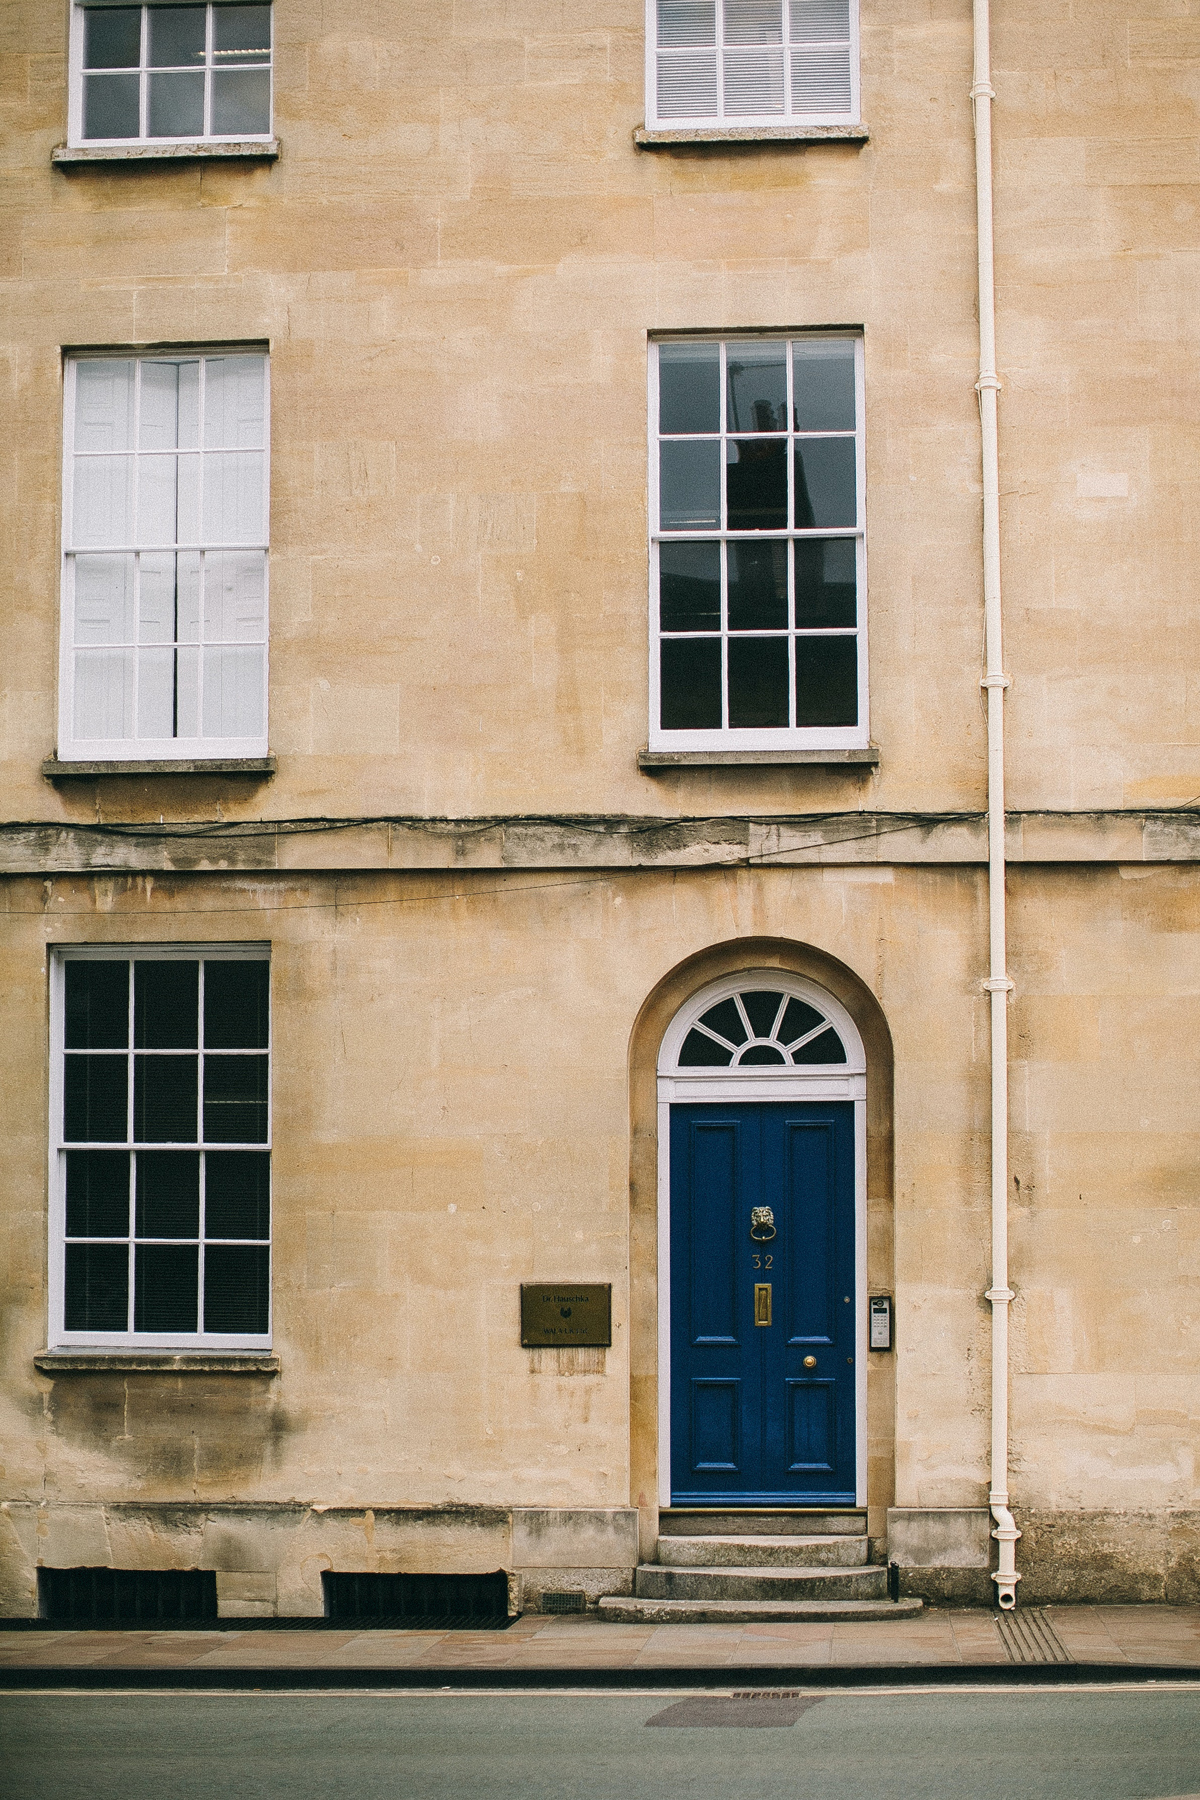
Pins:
x,y
164,608
752,62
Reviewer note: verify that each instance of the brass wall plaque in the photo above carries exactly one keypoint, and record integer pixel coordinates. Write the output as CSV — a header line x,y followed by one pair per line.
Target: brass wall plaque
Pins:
x,y
566,1312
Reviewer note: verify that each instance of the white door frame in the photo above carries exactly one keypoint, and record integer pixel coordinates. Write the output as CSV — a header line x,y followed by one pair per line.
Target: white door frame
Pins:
x,y
720,1087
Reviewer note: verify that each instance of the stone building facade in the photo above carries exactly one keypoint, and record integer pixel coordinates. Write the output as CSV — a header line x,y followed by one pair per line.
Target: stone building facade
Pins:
x,y
508,824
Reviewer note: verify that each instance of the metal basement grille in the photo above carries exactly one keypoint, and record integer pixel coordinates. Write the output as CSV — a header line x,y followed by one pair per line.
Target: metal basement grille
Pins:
x,y
408,1601
127,1596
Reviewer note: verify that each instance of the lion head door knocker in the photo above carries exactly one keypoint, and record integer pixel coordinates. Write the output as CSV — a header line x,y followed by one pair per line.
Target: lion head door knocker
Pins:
x,y
762,1224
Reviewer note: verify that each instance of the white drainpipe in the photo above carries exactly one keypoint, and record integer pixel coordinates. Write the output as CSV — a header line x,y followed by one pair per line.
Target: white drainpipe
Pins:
x,y
994,681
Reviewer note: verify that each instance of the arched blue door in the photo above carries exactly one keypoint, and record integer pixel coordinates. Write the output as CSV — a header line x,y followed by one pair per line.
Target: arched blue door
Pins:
x,y
762,1385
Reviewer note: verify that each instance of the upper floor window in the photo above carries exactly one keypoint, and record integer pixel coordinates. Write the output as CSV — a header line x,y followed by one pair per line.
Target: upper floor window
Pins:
x,y
752,62
169,73
757,545
165,556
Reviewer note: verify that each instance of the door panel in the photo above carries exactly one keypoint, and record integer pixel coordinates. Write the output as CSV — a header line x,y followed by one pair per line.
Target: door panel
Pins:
x,y
716,1406
711,1205
750,1423
812,1437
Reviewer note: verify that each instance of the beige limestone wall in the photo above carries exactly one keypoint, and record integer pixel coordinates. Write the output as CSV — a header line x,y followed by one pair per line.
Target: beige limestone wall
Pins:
x,y
452,1117
457,260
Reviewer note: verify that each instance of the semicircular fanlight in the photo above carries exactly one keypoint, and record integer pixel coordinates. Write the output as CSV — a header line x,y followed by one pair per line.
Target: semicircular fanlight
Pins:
x,y
760,1027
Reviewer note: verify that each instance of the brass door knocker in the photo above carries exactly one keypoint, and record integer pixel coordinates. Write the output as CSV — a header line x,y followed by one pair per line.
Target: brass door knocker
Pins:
x,y
762,1224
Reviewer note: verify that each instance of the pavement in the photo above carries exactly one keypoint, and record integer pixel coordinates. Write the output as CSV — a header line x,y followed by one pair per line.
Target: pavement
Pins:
x,y
1115,1638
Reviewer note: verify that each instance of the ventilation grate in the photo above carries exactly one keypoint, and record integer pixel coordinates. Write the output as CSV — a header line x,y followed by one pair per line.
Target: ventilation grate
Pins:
x,y
1029,1637
478,1602
562,1600
127,1596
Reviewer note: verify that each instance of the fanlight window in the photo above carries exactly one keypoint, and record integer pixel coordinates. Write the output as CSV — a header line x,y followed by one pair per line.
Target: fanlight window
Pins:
x,y
757,1027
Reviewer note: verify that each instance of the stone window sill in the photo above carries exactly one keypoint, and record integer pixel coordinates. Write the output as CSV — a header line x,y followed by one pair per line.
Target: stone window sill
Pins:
x,y
54,770
663,137
147,1362
653,762
243,150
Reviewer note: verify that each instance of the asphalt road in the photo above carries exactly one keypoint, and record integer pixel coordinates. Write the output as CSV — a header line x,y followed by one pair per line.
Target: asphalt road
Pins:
x,y
1110,1744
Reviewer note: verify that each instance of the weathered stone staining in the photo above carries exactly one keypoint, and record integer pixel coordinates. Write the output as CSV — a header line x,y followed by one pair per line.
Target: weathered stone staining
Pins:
x,y
483,915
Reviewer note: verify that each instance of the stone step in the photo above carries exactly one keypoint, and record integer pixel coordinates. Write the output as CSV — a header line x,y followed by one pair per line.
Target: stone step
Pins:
x,y
654,1581
842,1552
621,1610
704,1521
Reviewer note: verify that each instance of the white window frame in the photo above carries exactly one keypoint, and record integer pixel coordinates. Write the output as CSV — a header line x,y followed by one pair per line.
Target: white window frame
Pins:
x,y
791,737
760,125
75,137
123,1341
134,748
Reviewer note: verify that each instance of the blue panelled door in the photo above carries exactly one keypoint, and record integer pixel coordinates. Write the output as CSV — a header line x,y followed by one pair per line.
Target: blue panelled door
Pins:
x,y
762,1413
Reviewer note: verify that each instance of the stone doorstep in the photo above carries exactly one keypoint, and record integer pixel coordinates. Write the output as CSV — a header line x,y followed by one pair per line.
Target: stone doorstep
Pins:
x,y
654,1581
703,1521
754,1612
785,1552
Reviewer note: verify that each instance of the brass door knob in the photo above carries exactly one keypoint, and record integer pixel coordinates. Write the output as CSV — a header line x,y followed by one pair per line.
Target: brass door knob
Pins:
x,y
810,1362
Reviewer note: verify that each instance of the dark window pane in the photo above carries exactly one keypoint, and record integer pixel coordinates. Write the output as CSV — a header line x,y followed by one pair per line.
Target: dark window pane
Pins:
x,y
727,1020
825,483
236,1005
828,1048
756,387
241,30
166,1002
176,107
236,1287
164,1100
112,38
168,1194
235,1099
237,1194
798,1019
97,1288
97,1006
761,1053
110,106
758,596
700,1052
689,388
95,1095
824,386
690,486
827,681
761,1010
241,102
691,684
826,582
176,36
758,682
164,1287
97,1193
689,585
756,484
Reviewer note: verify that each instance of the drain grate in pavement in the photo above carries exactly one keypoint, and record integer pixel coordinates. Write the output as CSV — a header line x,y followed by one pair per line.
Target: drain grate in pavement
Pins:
x,y
1029,1637
754,1707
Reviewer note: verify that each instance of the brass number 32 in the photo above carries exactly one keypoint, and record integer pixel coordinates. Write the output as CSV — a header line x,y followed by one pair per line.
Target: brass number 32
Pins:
x,y
762,1262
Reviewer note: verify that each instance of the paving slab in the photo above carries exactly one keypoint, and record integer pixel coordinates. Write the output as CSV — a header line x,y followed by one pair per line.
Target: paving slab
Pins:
x,y
1097,1636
